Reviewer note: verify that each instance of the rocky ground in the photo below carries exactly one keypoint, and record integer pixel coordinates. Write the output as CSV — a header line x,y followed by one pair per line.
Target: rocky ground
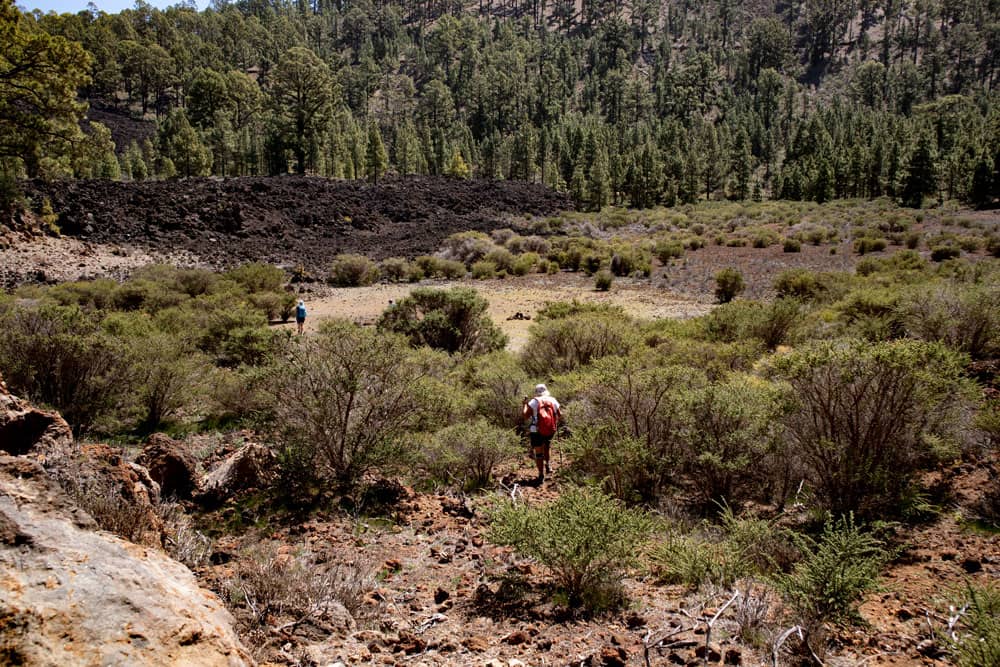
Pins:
x,y
290,220
443,595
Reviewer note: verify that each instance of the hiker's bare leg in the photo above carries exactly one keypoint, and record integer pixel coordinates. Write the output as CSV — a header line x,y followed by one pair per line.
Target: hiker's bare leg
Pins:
x,y
546,449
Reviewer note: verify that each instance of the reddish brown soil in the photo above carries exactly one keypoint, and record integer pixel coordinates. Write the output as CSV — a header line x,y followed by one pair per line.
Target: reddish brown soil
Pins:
x,y
444,595
290,220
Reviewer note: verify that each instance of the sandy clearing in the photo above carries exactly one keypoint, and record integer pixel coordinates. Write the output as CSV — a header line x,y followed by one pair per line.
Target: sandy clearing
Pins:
x,y
525,295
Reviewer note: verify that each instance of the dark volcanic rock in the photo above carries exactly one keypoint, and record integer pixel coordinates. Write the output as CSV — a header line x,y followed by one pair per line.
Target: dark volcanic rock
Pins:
x,y
289,220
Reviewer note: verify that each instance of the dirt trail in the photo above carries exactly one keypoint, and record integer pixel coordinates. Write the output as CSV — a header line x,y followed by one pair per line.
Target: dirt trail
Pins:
x,y
525,295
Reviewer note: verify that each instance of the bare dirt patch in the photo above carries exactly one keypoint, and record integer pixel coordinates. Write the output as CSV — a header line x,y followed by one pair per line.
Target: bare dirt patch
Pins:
x,y
508,298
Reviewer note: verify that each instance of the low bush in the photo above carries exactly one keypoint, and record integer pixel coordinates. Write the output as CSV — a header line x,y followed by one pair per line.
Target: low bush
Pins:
x,y
668,250
496,384
268,586
465,454
944,252
728,284
257,277
978,642
731,438
629,425
603,280
352,271
866,245
395,269
484,270
965,317
342,402
452,320
836,571
694,562
586,538
866,416
791,245
563,344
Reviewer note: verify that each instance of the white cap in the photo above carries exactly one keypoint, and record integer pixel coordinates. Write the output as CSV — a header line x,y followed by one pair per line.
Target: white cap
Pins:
x,y
541,390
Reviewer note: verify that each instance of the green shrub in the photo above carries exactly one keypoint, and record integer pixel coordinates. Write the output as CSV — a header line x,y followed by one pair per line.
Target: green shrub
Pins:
x,y
465,454
944,252
502,258
668,250
800,284
467,247
629,260
912,240
58,356
866,245
257,277
965,317
342,403
496,384
732,435
979,640
352,271
865,417
837,570
560,345
629,425
694,562
728,285
586,538
873,313
603,280
395,269
274,305
791,245
524,264
452,270
484,270
452,320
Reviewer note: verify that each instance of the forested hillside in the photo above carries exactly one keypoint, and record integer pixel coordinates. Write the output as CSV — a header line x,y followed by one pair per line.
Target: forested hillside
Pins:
x,y
635,102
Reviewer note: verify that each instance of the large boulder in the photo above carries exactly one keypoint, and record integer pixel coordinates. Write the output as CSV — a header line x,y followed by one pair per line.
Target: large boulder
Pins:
x,y
70,595
25,430
250,467
170,465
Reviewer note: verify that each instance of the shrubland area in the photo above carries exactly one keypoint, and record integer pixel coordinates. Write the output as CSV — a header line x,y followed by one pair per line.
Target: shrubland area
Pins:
x,y
805,474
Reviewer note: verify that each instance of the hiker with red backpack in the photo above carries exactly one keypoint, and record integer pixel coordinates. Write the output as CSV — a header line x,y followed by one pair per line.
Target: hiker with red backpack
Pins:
x,y
544,412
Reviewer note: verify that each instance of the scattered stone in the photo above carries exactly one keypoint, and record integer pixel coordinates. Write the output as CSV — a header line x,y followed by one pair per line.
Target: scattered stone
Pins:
x,y
904,614
476,643
634,621
972,565
613,656
733,657
712,654
170,465
516,637
929,648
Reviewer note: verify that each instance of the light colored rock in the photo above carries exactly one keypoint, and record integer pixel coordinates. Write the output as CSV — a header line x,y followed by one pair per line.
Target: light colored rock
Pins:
x,y
250,467
73,596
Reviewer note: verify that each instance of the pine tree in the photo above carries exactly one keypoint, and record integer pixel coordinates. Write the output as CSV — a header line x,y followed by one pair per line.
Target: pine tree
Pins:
x,y
376,159
921,176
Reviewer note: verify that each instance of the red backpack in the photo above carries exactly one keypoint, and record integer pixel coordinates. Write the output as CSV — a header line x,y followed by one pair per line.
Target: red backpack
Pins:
x,y
547,419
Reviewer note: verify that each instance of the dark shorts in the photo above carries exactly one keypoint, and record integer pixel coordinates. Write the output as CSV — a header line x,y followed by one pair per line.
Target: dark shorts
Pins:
x,y
300,320
538,444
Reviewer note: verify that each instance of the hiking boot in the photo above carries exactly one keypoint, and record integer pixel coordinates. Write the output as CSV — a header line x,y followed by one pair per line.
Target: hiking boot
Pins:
x,y
539,480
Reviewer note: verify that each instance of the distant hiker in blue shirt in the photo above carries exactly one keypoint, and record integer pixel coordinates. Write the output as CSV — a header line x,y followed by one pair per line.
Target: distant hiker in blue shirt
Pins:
x,y
300,315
